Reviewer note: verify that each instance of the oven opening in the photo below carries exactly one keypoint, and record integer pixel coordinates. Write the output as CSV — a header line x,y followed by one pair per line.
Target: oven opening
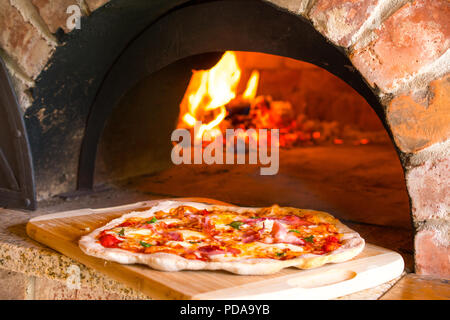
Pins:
x,y
334,153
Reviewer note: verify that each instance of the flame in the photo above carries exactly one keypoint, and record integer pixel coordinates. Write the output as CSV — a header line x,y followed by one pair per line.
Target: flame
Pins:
x,y
252,86
211,97
210,90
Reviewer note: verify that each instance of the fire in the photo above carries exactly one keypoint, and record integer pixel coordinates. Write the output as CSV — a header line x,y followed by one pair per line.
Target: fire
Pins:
x,y
209,91
212,99
252,86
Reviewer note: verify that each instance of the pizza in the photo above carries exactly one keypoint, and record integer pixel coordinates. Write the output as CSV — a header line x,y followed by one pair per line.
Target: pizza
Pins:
x,y
175,235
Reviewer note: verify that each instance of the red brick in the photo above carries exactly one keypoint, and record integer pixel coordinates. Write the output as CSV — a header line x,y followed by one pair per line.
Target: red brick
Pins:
x,y
413,37
429,189
13,285
296,6
339,20
431,257
95,4
54,13
22,41
419,123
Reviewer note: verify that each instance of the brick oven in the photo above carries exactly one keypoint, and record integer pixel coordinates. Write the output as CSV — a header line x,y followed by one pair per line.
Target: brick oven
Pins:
x,y
89,109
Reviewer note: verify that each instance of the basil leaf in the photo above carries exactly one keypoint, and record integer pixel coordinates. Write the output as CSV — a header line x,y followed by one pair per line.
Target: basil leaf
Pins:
x,y
236,224
296,231
309,239
145,244
280,254
153,220
122,232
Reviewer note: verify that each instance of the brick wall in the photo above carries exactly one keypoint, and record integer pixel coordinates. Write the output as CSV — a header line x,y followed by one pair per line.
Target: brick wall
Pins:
x,y
401,47
27,36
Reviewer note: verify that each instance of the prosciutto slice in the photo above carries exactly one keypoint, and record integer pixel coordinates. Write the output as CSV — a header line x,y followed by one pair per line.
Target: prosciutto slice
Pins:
x,y
282,235
175,236
211,250
251,236
294,221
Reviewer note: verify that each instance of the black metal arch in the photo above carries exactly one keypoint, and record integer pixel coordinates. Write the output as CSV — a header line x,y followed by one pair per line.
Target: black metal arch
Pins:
x,y
16,172
240,25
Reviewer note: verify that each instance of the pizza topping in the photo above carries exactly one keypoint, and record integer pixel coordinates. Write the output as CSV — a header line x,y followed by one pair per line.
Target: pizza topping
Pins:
x,y
109,241
145,244
172,235
208,227
294,221
236,224
152,220
266,225
251,236
211,250
126,224
217,234
281,234
204,212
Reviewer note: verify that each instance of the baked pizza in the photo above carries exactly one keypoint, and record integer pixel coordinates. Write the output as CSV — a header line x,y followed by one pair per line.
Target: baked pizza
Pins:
x,y
173,236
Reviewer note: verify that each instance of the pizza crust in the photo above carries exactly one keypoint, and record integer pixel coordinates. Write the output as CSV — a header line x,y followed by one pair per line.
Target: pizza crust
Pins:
x,y
351,246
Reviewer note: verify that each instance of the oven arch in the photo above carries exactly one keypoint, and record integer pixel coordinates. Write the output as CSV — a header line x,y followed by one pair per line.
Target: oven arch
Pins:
x,y
210,27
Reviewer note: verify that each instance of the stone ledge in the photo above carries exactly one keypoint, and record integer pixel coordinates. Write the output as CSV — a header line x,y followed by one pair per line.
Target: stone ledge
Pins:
x,y
22,255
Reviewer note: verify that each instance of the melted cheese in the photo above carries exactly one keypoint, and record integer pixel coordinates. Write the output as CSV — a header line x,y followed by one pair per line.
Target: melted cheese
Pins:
x,y
136,232
268,225
223,221
170,221
182,243
272,247
191,235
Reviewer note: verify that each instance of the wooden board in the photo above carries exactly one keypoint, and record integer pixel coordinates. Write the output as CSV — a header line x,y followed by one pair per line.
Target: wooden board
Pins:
x,y
417,287
61,231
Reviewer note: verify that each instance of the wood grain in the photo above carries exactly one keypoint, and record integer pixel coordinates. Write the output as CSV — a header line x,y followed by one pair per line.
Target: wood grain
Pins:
x,y
416,287
61,231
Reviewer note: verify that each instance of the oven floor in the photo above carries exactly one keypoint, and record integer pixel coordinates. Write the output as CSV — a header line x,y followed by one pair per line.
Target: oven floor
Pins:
x,y
362,185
